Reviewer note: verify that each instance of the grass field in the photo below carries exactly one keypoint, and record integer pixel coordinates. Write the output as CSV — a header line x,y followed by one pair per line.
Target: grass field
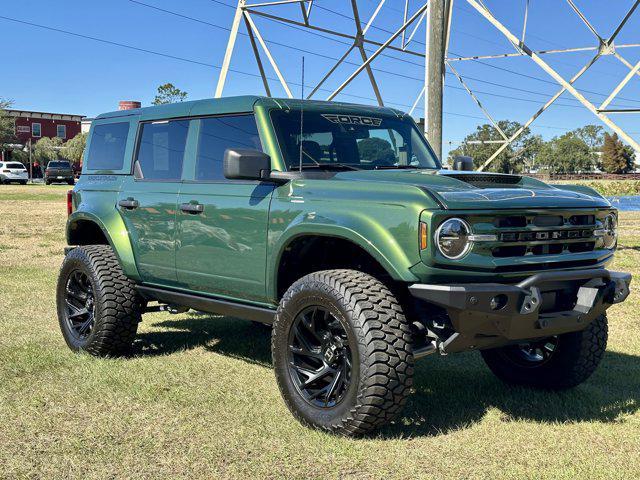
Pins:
x,y
198,397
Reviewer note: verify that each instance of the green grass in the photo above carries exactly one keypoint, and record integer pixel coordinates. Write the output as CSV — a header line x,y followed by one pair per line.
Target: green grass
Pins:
x,y
610,188
198,398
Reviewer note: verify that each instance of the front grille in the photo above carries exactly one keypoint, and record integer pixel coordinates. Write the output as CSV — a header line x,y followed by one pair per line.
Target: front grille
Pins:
x,y
543,234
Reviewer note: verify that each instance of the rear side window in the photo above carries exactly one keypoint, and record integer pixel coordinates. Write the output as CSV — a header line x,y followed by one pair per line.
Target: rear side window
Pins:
x,y
108,143
161,150
216,135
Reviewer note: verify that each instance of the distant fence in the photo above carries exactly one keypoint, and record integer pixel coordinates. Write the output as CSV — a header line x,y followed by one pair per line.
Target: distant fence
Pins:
x,y
584,176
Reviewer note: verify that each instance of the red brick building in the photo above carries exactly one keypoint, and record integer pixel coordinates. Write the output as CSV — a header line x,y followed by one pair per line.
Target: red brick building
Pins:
x,y
35,125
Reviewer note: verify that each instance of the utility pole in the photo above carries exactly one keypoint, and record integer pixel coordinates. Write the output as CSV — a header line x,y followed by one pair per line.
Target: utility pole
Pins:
x,y
435,51
30,163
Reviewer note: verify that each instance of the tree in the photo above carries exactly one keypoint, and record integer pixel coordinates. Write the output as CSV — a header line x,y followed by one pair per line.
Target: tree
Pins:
x,y
376,150
46,149
632,158
7,125
566,154
592,135
616,157
168,93
74,148
514,158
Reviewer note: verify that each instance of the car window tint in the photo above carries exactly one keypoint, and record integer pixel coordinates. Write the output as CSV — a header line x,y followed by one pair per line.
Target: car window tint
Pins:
x,y
108,143
218,134
161,150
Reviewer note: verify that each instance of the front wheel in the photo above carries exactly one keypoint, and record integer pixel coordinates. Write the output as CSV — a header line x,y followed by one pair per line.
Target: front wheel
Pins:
x,y
342,352
555,363
98,306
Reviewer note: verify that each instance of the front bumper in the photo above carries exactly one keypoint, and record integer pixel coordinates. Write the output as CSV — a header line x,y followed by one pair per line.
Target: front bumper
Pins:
x,y
486,315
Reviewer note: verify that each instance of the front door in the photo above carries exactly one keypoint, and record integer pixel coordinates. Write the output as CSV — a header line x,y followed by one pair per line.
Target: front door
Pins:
x,y
148,201
222,224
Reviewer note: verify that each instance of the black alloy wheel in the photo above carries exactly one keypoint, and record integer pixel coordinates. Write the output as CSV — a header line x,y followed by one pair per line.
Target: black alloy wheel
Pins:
x,y
342,352
98,307
319,357
556,363
80,305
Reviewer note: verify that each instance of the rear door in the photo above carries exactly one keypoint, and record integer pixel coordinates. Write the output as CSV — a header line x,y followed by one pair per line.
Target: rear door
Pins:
x,y
222,224
148,199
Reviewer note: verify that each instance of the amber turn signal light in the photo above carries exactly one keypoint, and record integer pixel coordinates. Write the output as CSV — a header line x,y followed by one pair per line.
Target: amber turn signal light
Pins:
x,y
423,235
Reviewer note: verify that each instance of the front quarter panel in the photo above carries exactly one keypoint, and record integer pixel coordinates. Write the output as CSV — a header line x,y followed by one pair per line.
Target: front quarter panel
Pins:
x,y
386,229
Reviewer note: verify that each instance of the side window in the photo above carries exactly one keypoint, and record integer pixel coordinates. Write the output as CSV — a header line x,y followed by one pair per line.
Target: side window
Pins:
x,y
216,135
108,143
161,150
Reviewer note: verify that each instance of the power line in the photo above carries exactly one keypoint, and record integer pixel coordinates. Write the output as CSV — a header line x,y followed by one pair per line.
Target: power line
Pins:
x,y
196,62
409,77
480,62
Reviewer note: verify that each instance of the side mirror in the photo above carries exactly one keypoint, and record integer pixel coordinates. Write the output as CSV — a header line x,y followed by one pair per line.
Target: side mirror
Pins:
x,y
463,163
242,164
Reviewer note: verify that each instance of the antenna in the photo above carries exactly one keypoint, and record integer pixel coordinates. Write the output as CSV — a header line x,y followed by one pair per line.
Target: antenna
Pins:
x,y
301,115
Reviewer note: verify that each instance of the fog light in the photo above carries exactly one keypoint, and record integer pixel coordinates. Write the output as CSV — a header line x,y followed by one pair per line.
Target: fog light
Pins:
x,y
498,302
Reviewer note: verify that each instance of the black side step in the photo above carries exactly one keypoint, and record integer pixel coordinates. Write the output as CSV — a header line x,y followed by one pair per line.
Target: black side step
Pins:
x,y
207,304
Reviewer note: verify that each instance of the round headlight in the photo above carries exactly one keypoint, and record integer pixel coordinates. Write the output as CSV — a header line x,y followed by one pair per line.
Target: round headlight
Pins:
x,y
610,227
452,238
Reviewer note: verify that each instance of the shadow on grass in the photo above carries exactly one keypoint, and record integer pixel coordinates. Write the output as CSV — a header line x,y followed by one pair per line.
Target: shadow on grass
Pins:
x,y
457,391
228,336
452,392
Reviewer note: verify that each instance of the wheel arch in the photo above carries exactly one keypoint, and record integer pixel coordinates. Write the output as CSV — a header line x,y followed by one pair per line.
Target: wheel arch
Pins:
x,y
387,261
88,228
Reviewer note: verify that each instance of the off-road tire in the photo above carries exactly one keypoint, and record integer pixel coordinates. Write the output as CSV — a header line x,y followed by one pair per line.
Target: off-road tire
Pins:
x,y
380,341
575,358
118,306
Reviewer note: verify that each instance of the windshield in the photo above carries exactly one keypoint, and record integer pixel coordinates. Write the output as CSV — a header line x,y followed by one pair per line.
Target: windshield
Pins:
x,y
349,141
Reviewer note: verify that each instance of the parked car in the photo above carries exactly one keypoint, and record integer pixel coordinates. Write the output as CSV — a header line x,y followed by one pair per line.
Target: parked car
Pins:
x,y
59,171
346,235
13,172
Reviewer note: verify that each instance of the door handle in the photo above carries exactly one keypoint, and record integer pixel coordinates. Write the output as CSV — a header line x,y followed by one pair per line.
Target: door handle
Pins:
x,y
129,203
193,208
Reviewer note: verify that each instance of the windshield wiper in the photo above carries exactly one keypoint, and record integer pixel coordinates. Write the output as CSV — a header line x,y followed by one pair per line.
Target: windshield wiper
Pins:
x,y
326,166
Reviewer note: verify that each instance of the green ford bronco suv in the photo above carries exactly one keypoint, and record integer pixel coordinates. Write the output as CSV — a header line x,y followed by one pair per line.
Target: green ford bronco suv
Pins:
x,y
336,224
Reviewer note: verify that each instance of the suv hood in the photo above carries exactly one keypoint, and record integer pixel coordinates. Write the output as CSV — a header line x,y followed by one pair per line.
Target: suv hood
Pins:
x,y
456,190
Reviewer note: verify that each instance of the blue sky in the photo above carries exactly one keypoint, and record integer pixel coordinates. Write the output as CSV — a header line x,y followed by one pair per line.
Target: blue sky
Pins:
x,y
53,71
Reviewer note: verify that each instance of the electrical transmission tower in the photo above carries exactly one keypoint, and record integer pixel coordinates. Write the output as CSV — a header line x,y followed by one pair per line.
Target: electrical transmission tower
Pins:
x,y
437,16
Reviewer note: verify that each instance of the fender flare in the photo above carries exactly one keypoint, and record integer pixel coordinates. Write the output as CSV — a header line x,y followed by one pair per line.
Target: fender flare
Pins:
x,y
389,254
121,244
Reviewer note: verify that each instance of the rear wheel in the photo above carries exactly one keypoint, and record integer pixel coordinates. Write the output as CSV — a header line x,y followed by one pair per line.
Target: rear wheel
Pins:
x,y
559,362
342,352
98,306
